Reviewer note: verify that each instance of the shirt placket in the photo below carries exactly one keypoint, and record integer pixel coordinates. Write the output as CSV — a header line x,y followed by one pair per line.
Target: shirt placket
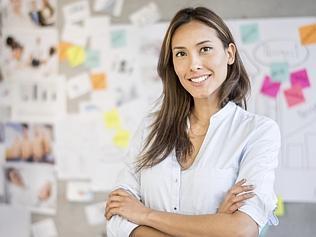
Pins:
x,y
176,172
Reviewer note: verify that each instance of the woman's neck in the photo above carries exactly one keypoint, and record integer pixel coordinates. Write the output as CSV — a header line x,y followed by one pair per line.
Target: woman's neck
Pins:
x,y
203,111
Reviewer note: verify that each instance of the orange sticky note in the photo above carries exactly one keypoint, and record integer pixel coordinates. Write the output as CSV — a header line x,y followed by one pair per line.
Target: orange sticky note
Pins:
x,y
62,50
308,34
98,81
75,55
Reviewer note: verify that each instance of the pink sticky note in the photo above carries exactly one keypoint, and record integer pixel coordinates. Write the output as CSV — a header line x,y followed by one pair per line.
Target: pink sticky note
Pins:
x,y
300,78
294,96
269,87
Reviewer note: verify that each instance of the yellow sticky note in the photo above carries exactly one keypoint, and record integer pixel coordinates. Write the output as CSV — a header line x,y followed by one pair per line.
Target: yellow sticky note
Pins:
x,y
62,50
98,81
308,34
112,119
122,138
75,55
279,211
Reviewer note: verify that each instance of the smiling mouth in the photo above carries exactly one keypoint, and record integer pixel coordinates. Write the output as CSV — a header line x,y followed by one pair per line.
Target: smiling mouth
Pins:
x,y
199,79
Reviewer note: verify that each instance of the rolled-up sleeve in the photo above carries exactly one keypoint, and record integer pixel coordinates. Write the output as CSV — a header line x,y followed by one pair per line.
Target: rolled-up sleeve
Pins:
x,y
258,164
127,179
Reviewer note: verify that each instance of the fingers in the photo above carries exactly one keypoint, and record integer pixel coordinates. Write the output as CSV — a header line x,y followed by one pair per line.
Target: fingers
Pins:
x,y
243,197
119,192
111,212
112,207
239,187
115,201
236,197
235,206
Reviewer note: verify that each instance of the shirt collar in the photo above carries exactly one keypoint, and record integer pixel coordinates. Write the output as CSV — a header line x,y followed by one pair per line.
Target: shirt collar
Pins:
x,y
223,112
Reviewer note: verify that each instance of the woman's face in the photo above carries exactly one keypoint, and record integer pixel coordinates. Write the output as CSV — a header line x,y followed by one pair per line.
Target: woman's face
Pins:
x,y
200,59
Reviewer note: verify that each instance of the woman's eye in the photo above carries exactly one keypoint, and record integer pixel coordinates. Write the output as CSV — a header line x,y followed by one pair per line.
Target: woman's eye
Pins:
x,y
180,54
206,49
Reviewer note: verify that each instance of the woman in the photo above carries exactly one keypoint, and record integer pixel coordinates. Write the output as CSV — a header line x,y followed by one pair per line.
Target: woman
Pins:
x,y
198,144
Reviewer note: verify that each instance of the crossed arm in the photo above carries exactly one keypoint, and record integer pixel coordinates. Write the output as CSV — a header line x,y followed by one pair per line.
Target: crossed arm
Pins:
x,y
226,222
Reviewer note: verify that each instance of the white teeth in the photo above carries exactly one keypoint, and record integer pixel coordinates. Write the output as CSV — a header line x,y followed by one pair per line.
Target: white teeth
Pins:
x,y
199,79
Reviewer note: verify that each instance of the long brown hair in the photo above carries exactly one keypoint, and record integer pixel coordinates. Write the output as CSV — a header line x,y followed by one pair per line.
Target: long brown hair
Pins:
x,y
169,128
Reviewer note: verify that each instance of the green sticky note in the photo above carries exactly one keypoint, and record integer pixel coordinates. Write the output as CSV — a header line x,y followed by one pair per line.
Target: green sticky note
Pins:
x,y
118,38
279,72
92,58
249,33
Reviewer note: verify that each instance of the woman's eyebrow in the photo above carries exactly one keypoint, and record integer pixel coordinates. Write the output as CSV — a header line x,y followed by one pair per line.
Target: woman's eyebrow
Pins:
x,y
178,47
203,42
199,43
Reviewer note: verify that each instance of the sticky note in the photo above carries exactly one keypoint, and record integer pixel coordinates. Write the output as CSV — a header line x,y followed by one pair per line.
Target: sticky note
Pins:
x,y
249,33
121,138
112,119
270,88
98,81
279,72
118,38
75,56
92,59
279,211
300,78
62,50
308,34
294,96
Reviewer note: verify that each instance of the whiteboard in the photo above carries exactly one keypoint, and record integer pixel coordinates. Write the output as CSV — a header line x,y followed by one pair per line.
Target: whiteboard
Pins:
x,y
275,48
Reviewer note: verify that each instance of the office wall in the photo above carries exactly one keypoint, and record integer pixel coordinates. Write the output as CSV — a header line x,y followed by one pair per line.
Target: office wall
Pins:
x,y
299,218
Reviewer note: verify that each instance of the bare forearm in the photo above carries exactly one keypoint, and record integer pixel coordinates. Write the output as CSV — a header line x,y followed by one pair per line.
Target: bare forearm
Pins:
x,y
215,225
145,231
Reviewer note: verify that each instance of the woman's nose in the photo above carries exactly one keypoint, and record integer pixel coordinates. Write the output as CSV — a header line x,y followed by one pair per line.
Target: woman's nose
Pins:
x,y
195,63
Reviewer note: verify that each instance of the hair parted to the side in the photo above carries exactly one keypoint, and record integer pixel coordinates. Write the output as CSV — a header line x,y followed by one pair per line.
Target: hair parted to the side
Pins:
x,y
169,128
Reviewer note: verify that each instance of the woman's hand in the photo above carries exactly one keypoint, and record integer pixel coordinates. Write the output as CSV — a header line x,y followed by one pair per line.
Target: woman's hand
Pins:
x,y
235,197
121,202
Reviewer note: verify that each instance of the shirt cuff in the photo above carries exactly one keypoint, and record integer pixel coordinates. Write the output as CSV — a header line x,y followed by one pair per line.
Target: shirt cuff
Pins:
x,y
119,227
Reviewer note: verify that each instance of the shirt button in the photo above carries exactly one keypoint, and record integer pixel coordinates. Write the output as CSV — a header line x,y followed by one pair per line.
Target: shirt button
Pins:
x,y
176,180
175,208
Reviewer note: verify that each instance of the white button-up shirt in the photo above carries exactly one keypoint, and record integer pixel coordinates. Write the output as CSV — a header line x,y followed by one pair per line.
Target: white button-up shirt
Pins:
x,y
237,145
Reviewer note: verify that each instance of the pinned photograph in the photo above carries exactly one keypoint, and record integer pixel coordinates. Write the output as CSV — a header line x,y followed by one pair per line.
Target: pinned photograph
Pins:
x,y
29,13
32,186
29,143
29,52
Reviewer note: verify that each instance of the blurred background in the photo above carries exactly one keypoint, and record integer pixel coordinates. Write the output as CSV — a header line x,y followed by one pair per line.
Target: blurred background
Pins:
x,y
77,77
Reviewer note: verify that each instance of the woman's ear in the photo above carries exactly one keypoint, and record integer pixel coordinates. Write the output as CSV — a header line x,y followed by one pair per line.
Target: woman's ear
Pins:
x,y
231,51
